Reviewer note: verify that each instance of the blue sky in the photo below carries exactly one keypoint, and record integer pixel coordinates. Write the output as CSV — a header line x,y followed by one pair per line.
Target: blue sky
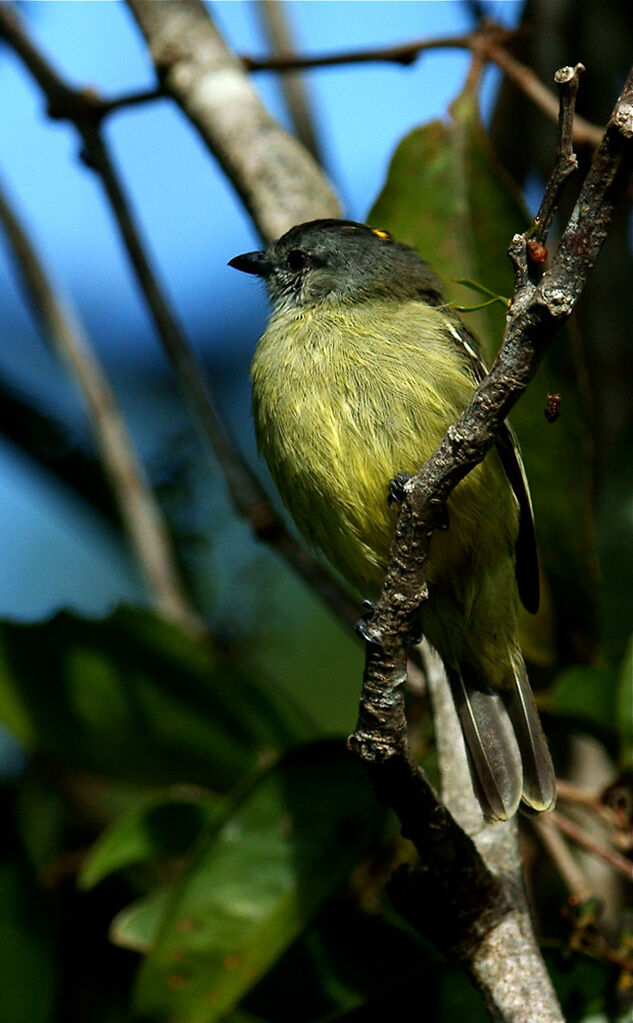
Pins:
x,y
54,552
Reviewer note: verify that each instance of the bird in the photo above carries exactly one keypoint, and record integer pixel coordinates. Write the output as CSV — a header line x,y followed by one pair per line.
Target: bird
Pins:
x,y
362,368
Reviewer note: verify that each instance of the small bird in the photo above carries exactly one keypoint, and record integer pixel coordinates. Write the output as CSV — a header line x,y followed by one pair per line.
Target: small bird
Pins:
x,y
360,372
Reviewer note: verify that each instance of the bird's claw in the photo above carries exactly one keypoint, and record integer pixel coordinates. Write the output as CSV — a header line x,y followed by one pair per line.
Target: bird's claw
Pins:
x,y
396,488
362,626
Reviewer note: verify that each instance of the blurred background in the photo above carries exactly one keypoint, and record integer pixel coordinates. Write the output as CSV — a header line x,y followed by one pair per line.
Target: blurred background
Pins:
x,y
62,546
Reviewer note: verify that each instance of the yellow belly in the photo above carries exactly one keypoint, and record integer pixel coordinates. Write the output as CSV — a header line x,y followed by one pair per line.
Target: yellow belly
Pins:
x,y
342,404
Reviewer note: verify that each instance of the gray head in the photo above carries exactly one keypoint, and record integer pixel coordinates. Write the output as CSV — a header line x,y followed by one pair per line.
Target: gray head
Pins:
x,y
339,260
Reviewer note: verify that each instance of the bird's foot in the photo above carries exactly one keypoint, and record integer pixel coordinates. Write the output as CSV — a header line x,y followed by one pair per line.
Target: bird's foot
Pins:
x,y
362,627
397,488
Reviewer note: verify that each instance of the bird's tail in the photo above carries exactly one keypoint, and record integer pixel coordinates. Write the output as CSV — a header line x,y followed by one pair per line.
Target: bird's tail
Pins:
x,y
539,779
507,750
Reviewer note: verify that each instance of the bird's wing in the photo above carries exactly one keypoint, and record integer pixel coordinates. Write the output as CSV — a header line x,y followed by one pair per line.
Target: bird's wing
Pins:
x,y
509,452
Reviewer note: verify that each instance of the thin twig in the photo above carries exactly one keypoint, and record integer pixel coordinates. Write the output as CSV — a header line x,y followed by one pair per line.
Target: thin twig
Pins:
x,y
538,309
566,163
244,488
573,831
141,517
130,99
488,42
402,53
562,857
585,133
580,796
577,794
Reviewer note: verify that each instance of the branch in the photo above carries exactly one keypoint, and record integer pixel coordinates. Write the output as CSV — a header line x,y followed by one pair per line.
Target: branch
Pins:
x,y
538,309
278,181
584,133
140,514
275,22
488,43
562,857
620,864
566,163
247,494
467,896
402,53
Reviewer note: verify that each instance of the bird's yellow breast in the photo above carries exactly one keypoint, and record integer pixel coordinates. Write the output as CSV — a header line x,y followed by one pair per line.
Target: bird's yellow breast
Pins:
x,y
343,400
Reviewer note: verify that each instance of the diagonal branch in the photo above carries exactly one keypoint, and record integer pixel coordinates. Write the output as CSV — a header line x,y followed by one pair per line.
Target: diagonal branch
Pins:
x,y
538,309
141,516
245,490
274,18
278,181
489,43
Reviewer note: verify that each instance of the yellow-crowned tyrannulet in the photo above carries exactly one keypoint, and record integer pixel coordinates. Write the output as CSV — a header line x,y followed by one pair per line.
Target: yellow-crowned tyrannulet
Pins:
x,y
360,372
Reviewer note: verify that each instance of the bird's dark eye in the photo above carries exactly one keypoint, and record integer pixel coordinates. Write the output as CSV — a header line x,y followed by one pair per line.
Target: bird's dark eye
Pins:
x,y
296,259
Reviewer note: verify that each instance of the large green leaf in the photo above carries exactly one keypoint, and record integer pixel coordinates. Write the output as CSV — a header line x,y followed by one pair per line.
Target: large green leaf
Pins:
x,y
255,882
138,925
586,697
164,826
446,196
133,697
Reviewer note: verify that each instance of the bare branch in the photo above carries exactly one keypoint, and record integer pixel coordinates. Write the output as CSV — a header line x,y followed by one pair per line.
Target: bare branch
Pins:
x,y
584,133
488,42
130,99
276,178
562,857
578,835
403,53
537,311
246,492
467,899
567,79
142,519
274,18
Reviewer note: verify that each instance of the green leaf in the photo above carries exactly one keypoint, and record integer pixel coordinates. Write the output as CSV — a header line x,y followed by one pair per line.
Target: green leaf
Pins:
x,y
137,926
587,696
446,195
255,883
133,697
164,826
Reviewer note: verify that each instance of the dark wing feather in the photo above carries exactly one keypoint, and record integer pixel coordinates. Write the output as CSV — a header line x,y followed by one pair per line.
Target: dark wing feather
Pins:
x,y
525,547
493,752
527,573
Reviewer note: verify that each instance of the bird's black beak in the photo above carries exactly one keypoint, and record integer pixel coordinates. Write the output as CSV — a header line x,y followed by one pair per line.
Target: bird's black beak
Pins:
x,y
252,263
